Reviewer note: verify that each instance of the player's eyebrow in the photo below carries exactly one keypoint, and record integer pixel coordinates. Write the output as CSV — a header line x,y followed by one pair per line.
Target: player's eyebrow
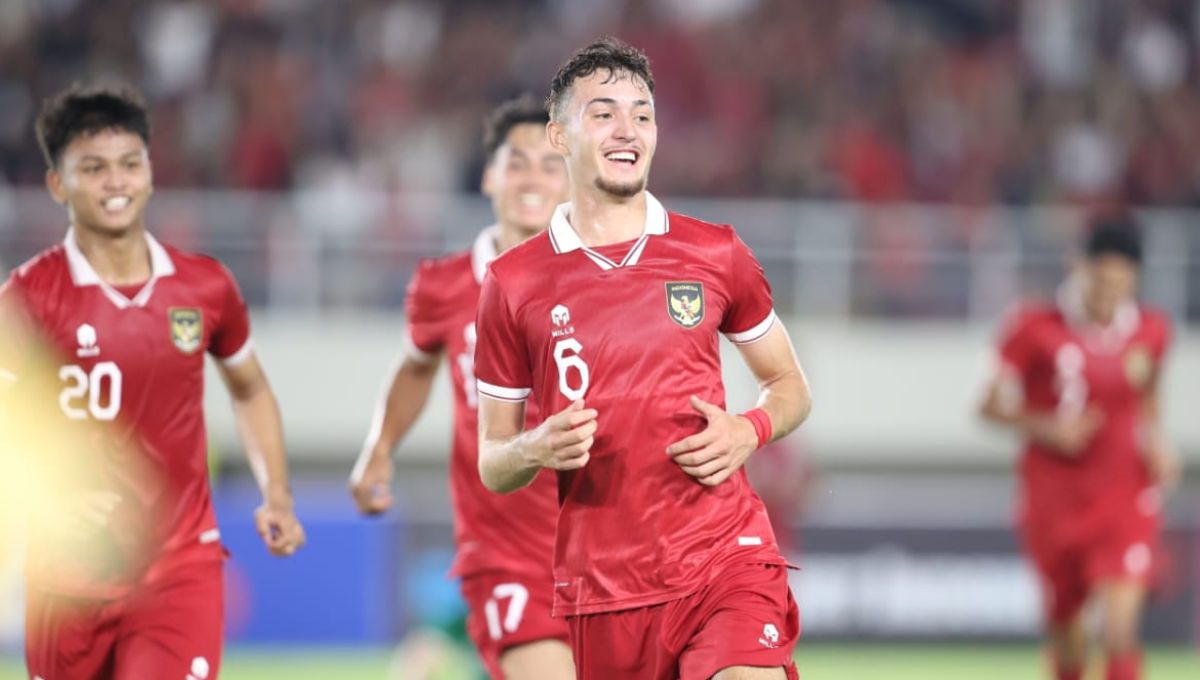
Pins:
x,y
95,158
609,101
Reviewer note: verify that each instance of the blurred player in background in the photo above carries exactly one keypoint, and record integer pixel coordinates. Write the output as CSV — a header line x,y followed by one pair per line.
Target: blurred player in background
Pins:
x,y
665,564
505,543
139,592
1079,380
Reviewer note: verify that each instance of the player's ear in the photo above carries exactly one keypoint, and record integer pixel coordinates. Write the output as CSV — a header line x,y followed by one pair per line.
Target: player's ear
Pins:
x,y
556,132
54,185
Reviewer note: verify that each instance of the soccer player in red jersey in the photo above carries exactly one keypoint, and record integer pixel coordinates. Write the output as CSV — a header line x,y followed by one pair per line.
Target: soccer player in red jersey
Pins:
x,y
665,563
505,543
1078,380
130,320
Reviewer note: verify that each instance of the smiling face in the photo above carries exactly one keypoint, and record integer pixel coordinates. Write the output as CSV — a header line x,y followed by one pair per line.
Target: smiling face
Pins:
x,y
104,179
607,132
526,179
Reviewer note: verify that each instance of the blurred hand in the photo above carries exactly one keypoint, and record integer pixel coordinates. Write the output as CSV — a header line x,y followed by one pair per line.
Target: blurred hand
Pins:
x,y
371,483
564,440
276,523
1164,464
716,452
1071,435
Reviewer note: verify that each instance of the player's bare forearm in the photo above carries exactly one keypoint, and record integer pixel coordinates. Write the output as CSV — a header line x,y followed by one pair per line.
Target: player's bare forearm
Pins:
x,y
401,406
1064,435
510,457
1162,458
398,409
784,392
504,466
787,401
260,425
727,441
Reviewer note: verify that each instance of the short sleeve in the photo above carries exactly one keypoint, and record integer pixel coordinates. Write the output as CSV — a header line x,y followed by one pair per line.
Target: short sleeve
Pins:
x,y
423,312
502,367
1015,349
751,311
231,336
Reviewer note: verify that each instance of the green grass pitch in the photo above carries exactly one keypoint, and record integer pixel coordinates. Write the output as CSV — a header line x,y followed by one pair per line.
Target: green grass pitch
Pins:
x,y
816,662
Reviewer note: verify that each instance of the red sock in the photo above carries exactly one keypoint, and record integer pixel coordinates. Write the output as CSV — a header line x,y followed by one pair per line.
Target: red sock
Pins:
x,y
1124,666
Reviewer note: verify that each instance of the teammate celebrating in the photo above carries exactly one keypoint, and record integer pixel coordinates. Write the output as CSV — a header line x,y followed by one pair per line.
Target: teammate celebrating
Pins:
x,y
130,320
1079,381
665,563
505,543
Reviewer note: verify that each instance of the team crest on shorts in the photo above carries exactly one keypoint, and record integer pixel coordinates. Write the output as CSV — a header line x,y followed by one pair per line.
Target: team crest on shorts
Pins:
x,y
1139,366
685,302
187,328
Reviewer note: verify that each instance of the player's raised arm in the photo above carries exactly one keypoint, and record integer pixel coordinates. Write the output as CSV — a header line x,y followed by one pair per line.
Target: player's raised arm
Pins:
x,y
261,428
399,407
509,458
784,401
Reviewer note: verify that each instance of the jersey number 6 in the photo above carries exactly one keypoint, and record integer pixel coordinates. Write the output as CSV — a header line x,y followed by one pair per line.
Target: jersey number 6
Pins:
x,y
80,385
565,363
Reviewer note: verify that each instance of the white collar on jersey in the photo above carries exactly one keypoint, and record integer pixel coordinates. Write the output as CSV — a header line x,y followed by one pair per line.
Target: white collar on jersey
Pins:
x,y
484,251
83,274
565,239
1125,321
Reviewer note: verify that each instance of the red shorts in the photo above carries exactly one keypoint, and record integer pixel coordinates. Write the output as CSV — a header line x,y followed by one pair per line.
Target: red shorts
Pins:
x,y
506,610
745,617
170,628
1068,571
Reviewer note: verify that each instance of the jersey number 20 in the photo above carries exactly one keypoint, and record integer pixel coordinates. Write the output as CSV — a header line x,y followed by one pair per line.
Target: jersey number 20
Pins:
x,y
100,391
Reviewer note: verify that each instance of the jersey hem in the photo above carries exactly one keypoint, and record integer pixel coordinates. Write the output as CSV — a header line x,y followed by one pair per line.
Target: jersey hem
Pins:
x,y
651,599
610,606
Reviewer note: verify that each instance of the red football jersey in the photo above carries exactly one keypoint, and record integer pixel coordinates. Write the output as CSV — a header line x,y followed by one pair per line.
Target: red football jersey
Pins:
x,y
1065,365
136,363
633,330
493,532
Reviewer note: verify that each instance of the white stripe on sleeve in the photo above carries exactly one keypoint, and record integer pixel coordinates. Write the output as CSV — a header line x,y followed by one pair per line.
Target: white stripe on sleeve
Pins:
x,y
240,356
758,332
503,393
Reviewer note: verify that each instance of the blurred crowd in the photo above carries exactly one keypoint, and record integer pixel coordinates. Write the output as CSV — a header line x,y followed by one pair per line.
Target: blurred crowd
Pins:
x,y
960,101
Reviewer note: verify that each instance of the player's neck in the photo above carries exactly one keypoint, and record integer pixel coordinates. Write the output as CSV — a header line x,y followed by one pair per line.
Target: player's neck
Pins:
x,y
602,219
509,235
121,259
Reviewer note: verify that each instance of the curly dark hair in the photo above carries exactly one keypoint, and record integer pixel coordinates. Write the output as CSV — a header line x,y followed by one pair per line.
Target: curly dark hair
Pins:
x,y
79,111
518,111
608,54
